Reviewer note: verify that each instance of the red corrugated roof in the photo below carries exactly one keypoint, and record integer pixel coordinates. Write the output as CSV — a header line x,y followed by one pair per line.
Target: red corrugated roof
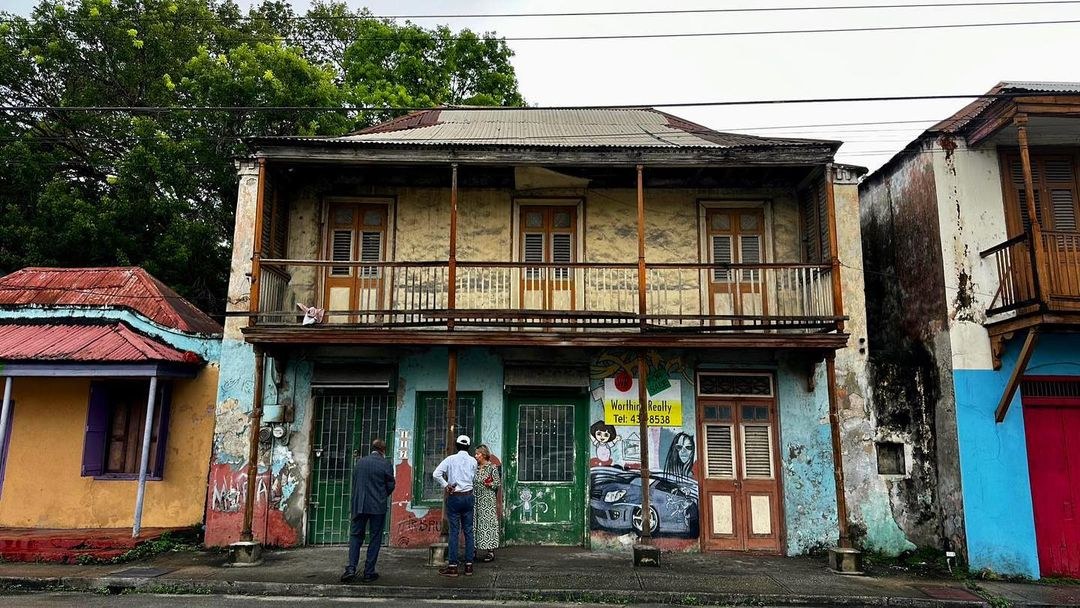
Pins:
x,y
123,287
111,343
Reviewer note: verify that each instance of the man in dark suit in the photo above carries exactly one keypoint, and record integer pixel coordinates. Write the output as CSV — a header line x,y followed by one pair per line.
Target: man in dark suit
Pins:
x,y
372,483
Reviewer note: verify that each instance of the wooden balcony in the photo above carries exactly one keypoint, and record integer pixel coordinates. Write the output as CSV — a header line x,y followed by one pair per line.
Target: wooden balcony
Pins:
x,y
514,303
1052,284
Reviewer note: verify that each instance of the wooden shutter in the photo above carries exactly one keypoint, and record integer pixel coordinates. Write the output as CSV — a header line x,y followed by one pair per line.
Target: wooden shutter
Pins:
x,y
757,451
370,251
562,252
719,452
341,247
721,254
1058,175
162,411
7,443
97,430
750,253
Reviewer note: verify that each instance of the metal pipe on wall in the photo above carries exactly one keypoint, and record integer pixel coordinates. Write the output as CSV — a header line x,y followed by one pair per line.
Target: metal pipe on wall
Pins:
x,y
144,463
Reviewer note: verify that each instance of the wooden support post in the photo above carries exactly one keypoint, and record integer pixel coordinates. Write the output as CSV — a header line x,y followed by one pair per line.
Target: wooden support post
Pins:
x,y
838,459
1035,248
641,248
253,446
256,251
834,247
451,294
643,432
1018,372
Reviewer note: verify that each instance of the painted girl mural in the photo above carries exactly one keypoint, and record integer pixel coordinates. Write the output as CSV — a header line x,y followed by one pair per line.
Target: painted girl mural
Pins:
x,y
605,441
680,456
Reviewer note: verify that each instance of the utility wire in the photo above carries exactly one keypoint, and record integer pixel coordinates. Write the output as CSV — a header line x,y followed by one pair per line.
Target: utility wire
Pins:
x,y
567,38
692,11
692,104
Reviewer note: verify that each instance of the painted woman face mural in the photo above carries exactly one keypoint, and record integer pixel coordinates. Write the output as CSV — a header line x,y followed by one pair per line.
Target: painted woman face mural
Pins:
x,y
680,456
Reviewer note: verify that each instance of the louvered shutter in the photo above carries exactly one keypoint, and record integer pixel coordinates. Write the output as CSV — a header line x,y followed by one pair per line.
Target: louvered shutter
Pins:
x,y
822,222
719,452
97,430
341,246
562,253
370,251
721,254
1016,171
1059,179
534,252
757,451
750,253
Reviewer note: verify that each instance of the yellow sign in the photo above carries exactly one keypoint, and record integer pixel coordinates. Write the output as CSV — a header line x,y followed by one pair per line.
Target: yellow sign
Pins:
x,y
622,408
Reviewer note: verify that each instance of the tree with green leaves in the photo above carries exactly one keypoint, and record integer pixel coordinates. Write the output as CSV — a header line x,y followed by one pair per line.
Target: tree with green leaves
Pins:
x,y
154,184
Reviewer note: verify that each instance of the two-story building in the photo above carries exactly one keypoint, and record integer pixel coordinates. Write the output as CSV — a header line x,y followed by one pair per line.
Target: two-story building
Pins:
x,y
516,275
972,256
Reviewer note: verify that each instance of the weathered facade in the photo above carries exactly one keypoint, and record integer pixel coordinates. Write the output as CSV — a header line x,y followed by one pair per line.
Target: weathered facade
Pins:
x,y
972,294
524,276
84,352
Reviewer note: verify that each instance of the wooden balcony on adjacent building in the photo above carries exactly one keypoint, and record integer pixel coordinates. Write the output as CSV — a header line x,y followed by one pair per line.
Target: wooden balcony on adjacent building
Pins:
x,y
1039,285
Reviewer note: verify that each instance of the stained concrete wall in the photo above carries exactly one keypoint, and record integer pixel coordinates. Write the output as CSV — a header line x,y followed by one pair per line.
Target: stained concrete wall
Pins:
x,y
910,351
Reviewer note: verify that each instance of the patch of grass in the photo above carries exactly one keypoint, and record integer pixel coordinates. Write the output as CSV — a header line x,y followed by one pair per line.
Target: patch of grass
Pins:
x,y
995,601
166,543
168,589
1054,580
924,561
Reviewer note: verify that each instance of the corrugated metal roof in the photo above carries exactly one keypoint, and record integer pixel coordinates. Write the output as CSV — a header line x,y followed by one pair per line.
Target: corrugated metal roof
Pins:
x,y
546,127
113,287
112,343
970,112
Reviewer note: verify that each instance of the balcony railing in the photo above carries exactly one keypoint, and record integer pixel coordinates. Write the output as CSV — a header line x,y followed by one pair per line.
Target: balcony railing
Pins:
x,y
1056,274
577,296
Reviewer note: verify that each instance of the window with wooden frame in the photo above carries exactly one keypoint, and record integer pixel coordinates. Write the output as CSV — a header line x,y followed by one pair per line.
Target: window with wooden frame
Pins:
x,y
735,236
547,235
814,222
431,436
356,232
1054,178
115,423
275,224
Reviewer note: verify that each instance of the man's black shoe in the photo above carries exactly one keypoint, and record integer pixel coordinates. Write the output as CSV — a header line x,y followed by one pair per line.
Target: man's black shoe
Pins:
x,y
348,576
370,578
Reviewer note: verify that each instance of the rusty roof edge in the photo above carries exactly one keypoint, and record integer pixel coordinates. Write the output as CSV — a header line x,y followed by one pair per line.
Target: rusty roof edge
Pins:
x,y
123,331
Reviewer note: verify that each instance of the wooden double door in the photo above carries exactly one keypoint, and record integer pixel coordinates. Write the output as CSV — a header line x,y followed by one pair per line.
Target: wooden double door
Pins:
x,y
741,502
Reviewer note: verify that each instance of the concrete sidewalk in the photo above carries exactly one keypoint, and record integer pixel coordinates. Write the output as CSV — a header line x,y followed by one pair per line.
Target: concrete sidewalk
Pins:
x,y
539,574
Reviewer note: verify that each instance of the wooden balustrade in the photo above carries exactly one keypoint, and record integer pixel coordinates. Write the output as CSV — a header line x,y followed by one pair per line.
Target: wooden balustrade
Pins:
x,y
578,296
1058,273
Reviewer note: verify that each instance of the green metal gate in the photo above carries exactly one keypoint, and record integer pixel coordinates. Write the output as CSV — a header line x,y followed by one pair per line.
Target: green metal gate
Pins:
x,y
346,422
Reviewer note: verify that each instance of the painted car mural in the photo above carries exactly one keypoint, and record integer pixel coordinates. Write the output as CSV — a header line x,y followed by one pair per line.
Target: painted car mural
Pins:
x,y
615,502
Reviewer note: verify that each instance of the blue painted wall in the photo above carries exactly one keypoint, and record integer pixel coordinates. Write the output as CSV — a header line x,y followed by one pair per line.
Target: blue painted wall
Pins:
x,y
993,458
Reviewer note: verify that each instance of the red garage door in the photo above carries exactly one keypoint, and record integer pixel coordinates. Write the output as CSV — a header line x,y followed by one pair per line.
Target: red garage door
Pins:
x,y
1052,422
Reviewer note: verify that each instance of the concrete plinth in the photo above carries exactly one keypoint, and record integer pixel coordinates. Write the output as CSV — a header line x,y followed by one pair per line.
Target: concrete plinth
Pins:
x,y
845,561
245,553
646,556
437,555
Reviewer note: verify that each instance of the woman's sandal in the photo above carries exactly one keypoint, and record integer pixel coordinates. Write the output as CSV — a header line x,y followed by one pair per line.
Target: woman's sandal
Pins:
x,y
490,557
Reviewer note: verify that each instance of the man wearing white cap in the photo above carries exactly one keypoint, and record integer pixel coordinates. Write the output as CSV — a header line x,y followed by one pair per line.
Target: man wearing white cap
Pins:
x,y
455,474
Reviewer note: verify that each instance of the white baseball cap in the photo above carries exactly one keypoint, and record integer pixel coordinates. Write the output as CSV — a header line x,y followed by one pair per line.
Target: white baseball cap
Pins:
x,y
463,439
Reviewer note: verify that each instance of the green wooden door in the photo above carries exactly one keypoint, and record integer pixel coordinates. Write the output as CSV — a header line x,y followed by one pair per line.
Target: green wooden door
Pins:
x,y
545,470
346,422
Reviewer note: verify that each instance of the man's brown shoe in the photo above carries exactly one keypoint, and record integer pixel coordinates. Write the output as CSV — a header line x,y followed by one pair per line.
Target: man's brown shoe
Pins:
x,y
448,571
468,569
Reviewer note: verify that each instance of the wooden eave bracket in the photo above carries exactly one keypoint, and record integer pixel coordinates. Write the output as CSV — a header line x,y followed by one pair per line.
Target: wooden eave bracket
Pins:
x,y
1018,372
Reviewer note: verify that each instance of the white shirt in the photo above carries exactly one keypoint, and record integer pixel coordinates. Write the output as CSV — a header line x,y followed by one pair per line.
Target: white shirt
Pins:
x,y
456,472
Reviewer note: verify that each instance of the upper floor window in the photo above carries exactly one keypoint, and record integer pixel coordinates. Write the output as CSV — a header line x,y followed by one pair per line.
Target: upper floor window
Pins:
x,y
735,236
1054,177
356,232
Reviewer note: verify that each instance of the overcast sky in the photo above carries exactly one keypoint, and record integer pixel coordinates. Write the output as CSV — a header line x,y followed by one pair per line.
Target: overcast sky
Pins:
x,y
781,66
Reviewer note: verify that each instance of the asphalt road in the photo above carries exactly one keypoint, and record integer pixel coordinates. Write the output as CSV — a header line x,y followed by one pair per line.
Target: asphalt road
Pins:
x,y
138,600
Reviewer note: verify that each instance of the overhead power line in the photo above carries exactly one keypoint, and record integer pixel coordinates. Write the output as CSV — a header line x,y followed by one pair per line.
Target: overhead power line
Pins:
x,y
688,11
690,104
669,35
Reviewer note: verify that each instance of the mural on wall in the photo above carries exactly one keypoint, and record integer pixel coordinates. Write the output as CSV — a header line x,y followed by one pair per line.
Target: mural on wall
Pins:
x,y
615,463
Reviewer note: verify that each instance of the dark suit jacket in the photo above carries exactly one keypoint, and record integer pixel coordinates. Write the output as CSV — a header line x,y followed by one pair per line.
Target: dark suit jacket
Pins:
x,y
372,483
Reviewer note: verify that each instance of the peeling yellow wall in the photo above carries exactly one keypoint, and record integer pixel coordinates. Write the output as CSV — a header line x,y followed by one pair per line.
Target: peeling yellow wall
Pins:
x,y
43,487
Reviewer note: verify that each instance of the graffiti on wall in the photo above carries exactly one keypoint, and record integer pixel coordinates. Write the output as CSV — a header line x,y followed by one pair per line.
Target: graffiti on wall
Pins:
x,y
615,494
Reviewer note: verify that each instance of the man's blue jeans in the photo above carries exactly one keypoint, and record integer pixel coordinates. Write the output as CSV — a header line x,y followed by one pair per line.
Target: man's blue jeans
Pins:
x,y
374,523
459,514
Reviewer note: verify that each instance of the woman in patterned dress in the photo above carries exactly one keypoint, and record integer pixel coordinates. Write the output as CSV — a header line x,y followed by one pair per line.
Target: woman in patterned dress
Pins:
x,y
486,517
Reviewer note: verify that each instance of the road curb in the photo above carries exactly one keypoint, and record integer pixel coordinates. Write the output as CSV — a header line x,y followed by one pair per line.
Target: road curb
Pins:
x,y
116,585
